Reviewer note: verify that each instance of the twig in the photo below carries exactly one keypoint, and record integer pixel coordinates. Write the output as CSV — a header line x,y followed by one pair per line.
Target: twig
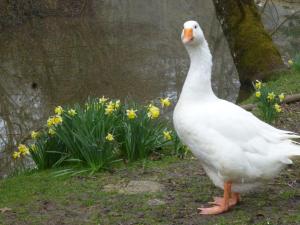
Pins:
x,y
283,22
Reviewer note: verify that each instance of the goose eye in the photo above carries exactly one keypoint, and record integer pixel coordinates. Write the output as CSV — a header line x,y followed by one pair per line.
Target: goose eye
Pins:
x,y
195,27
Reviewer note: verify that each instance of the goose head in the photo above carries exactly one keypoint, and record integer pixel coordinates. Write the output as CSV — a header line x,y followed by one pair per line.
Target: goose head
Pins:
x,y
192,34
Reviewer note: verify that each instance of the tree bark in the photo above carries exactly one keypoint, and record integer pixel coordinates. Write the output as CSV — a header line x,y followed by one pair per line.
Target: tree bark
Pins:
x,y
253,50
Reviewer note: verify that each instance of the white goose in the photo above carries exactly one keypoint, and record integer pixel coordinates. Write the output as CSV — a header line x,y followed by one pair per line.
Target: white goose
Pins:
x,y
237,150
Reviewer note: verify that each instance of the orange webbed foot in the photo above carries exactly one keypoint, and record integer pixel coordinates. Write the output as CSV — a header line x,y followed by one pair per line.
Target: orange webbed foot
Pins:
x,y
218,209
222,204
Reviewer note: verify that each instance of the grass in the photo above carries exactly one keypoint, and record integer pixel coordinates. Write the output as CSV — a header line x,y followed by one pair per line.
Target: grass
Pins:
x,y
42,198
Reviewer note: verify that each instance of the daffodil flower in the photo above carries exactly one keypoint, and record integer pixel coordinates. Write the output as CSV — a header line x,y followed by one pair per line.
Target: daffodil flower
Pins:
x,y
258,94
117,104
258,84
50,122
109,137
72,112
290,62
277,108
165,102
102,100
167,135
16,155
131,113
110,107
23,149
281,97
153,112
57,120
58,110
51,131
34,134
271,96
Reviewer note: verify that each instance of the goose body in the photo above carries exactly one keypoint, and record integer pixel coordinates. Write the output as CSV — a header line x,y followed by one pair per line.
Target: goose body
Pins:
x,y
237,150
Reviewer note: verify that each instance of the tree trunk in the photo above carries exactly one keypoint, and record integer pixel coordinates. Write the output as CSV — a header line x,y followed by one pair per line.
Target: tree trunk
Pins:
x,y
253,51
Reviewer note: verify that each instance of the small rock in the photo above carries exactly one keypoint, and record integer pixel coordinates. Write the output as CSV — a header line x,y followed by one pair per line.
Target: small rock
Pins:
x,y
5,209
112,188
136,186
155,202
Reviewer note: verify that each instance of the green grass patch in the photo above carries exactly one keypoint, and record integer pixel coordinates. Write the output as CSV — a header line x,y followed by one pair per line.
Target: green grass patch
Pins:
x,y
42,198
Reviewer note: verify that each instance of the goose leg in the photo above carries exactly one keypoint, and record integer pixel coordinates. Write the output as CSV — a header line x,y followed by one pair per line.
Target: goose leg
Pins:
x,y
224,203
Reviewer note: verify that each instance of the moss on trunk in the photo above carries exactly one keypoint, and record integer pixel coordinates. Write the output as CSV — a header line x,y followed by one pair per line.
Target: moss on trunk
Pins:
x,y
254,53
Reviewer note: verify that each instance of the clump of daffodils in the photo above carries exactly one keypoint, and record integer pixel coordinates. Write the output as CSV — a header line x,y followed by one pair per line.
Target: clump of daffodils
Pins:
x,y
23,150
102,129
111,106
54,120
268,101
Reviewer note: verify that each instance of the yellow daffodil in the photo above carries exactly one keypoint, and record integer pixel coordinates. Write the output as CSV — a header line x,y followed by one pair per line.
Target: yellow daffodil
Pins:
x,y
258,84
117,104
271,96
23,149
153,112
58,110
34,134
72,112
277,108
102,100
33,147
16,155
57,120
109,110
131,113
110,107
165,102
258,94
50,122
290,62
167,135
281,97
109,137
51,131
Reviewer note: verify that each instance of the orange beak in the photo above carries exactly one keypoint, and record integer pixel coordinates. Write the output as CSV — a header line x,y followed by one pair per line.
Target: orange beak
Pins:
x,y
187,35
